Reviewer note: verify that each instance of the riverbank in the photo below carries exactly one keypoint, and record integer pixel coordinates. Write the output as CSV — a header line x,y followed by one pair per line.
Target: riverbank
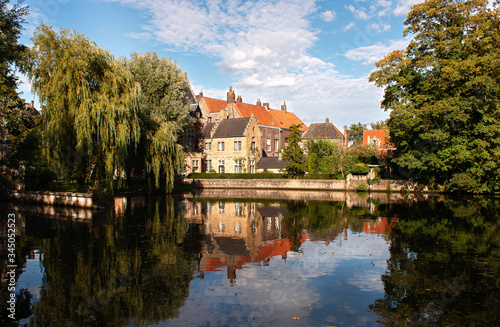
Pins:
x,y
71,199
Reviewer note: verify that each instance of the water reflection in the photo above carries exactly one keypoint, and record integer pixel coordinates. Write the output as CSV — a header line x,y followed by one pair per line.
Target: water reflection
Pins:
x,y
212,261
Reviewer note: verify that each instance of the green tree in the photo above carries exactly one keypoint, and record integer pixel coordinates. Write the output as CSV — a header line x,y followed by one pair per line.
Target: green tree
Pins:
x,y
443,93
295,167
164,115
89,104
355,132
324,156
379,125
11,53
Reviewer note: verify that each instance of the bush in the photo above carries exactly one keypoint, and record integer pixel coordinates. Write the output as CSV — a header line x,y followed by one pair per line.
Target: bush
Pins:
x,y
38,179
359,169
362,188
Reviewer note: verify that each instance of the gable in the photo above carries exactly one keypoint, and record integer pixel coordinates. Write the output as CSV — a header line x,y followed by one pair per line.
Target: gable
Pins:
x,y
234,127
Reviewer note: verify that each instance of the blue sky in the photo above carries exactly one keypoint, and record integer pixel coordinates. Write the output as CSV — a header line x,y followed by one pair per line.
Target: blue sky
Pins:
x,y
314,54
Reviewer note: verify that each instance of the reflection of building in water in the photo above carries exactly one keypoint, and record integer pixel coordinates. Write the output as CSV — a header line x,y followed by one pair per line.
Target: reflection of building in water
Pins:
x,y
383,225
237,233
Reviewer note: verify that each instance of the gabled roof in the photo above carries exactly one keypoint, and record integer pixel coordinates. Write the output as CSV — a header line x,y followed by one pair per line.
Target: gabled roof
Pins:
x,y
231,128
382,135
215,105
261,113
324,130
285,119
206,130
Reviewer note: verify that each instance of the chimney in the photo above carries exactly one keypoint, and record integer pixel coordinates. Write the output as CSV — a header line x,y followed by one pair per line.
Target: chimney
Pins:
x,y
201,93
327,120
283,107
231,98
238,99
266,104
259,104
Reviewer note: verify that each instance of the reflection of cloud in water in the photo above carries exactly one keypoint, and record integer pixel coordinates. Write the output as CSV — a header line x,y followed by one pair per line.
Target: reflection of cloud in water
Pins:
x,y
272,294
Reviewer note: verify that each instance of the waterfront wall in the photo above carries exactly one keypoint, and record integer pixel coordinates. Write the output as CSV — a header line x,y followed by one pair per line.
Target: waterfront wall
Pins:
x,y
56,198
351,184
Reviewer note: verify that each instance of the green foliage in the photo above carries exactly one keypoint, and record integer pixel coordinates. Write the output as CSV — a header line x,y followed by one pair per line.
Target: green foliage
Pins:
x,y
355,132
164,115
324,156
89,104
367,154
379,125
359,169
443,93
361,188
295,167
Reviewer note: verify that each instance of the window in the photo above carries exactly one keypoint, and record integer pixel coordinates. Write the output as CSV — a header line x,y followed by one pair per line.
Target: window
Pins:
x,y
190,138
268,144
238,163
237,228
208,146
221,227
238,208
252,166
253,145
276,145
222,207
196,165
208,166
220,146
209,119
222,170
237,145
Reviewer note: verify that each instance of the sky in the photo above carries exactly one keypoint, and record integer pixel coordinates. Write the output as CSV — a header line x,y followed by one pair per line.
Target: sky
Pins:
x,y
315,55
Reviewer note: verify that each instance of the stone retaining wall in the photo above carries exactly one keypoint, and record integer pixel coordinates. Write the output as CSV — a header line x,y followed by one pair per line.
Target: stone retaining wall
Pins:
x,y
56,198
305,184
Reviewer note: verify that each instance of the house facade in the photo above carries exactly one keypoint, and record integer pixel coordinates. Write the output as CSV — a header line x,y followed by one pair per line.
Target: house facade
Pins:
x,y
231,145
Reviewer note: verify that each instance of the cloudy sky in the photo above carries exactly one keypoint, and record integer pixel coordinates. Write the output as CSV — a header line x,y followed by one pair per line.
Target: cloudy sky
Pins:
x,y
314,54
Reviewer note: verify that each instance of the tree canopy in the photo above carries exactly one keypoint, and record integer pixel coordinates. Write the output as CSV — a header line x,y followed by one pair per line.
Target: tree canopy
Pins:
x,y
295,167
104,118
443,93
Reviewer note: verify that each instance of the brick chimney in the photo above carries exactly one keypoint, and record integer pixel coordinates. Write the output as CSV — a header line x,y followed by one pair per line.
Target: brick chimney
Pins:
x,y
231,97
327,120
283,107
259,104
201,93
266,104
238,99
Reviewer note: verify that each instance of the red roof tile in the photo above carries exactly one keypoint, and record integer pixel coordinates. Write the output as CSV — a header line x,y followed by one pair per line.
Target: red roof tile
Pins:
x,y
286,119
261,113
215,105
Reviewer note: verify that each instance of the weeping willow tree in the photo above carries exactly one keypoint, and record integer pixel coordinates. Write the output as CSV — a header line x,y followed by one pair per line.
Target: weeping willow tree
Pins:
x,y
164,115
90,105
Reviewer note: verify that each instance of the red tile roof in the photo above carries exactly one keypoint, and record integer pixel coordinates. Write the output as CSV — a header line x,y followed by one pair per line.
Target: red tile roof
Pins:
x,y
215,105
323,130
380,134
261,113
286,119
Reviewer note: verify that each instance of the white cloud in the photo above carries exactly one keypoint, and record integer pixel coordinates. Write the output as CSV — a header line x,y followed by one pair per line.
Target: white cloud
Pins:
x,y
264,47
404,7
373,53
358,13
349,26
328,16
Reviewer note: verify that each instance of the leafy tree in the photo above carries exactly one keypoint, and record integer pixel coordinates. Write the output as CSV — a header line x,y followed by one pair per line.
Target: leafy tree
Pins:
x,y
164,115
324,156
355,132
11,53
443,93
379,125
89,104
293,153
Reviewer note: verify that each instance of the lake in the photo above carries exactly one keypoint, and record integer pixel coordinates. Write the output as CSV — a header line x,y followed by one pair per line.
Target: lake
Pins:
x,y
272,260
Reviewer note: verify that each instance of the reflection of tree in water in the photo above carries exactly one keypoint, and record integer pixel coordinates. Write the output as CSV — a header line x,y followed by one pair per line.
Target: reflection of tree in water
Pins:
x,y
115,272
321,220
444,266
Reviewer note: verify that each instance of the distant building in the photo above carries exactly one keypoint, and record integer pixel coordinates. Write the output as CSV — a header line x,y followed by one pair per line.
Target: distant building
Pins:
x,y
324,131
380,138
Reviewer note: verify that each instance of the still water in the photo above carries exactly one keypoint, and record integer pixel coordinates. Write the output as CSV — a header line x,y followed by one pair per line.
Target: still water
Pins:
x,y
205,261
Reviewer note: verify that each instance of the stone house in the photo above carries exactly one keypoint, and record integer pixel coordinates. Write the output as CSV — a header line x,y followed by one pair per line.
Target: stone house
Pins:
x,y
274,124
231,145
325,131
